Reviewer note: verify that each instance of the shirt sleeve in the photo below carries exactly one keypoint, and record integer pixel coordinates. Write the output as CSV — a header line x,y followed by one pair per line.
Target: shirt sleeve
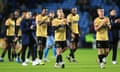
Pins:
x,y
54,22
69,18
77,17
38,17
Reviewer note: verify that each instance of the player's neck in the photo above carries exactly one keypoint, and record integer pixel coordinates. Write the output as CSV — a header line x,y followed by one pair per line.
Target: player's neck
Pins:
x,y
59,17
73,14
101,17
112,15
43,14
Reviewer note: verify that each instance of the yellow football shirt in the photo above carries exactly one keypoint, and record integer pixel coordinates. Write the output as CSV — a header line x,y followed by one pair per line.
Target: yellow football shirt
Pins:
x,y
18,22
41,29
74,23
102,33
60,33
11,29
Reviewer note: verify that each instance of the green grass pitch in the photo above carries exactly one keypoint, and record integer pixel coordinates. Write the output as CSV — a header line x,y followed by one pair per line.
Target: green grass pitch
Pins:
x,y
86,62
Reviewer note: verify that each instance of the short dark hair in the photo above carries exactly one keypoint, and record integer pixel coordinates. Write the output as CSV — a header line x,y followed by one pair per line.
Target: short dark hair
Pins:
x,y
34,14
111,9
51,11
11,14
74,7
17,10
59,8
44,8
23,11
99,8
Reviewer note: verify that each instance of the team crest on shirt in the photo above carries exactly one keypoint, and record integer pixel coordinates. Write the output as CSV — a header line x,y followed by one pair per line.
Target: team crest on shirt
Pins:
x,y
98,44
40,42
57,45
75,22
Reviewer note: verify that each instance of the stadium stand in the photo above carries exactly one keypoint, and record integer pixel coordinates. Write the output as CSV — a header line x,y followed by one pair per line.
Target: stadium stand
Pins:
x,y
86,9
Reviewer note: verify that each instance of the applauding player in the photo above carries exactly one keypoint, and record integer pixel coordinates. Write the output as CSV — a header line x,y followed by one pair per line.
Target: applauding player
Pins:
x,y
60,25
42,21
73,19
102,24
